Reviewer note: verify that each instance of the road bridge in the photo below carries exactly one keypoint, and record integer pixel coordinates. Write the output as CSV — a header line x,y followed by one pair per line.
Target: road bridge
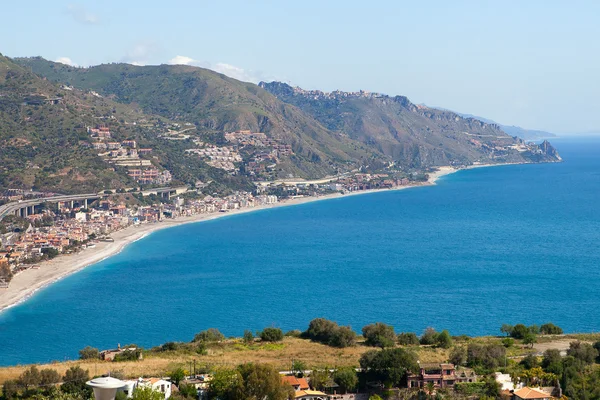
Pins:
x,y
25,207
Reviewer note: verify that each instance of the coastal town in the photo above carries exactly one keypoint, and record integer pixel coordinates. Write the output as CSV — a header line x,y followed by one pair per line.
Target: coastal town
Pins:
x,y
50,229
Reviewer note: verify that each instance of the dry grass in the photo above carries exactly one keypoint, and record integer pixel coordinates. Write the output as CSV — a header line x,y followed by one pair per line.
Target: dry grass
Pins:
x,y
231,353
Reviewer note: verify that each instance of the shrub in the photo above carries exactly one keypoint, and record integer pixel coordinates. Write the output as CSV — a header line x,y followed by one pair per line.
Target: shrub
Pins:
x,y
551,329
508,342
444,340
487,356
458,355
408,339
294,333
346,378
530,361
519,331
330,333
248,336
271,335
583,351
209,335
379,335
429,337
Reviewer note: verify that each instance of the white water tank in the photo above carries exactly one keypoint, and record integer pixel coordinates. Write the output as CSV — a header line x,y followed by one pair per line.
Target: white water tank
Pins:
x,y
105,388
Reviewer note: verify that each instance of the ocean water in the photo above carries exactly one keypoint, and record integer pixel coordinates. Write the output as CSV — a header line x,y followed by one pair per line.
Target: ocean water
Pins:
x,y
484,247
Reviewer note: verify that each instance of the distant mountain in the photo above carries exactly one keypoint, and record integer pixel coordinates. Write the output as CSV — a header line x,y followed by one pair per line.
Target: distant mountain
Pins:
x,y
173,110
527,134
215,103
414,135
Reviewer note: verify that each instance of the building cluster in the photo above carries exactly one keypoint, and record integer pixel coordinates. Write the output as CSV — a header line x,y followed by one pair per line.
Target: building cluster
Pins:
x,y
218,157
127,154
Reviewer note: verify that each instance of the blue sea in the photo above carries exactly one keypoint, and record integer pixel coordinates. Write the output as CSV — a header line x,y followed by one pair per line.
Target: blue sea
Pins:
x,y
481,248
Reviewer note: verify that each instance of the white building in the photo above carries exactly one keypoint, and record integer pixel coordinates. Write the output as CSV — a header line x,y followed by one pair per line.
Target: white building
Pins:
x,y
157,385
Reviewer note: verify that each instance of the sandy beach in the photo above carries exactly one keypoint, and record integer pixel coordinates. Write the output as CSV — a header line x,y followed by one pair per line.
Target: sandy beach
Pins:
x,y
26,283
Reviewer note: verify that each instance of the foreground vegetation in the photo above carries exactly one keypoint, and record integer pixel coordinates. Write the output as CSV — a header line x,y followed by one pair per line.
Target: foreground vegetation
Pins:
x,y
381,353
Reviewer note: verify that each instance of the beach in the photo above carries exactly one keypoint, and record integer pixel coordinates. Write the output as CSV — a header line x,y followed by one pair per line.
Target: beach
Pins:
x,y
26,283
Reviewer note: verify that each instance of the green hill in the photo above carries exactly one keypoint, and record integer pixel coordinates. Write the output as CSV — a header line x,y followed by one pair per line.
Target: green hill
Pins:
x,y
413,135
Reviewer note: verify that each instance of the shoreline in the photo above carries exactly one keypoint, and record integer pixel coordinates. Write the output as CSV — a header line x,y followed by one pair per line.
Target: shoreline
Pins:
x,y
27,283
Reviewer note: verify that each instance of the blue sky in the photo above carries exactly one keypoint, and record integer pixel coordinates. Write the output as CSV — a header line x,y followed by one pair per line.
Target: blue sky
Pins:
x,y
530,63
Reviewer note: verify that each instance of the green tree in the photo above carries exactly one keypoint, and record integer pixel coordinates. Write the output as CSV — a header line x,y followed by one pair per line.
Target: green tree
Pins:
x,y
271,335
584,352
444,340
49,377
553,362
88,353
508,342
319,378
346,378
298,368
74,380
519,331
263,381
458,355
506,329
146,393
530,361
429,337
551,329
389,365
343,337
225,384
408,339
375,397
188,391
10,389
248,336
177,375
530,339
30,378
379,335
209,335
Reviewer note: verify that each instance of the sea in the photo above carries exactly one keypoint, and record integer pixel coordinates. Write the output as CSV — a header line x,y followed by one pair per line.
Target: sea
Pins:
x,y
483,247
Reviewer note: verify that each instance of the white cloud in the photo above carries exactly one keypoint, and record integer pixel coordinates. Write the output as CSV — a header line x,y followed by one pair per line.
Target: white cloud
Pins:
x,y
141,53
81,15
181,60
223,68
65,60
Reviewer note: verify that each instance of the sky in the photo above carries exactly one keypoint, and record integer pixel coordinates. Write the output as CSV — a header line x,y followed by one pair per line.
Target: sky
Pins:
x,y
529,63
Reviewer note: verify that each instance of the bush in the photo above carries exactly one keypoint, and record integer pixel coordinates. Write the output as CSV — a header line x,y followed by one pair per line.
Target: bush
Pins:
x,y
330,333
508,342
344,336
346,378
379,335
429,337
519,331
458,355
444,340
530,361
248,336
408,339
582,351
551,329
487,356
209,335
271,335
89,353
170,346
294,333
128,355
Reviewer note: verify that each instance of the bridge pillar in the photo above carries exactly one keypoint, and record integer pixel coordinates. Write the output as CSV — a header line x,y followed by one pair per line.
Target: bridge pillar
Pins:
x,y
85,204
24,212
72,204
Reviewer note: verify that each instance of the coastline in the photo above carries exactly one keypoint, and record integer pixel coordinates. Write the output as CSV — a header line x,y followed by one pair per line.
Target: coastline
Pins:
x,y
25,284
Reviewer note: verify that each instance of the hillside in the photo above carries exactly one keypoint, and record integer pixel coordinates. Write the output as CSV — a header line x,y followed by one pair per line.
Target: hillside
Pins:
x,y
216,104
526,134
414,135
45,144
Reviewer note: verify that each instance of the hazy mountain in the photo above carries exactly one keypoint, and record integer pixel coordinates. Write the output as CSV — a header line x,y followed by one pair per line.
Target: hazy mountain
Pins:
x,y
414,135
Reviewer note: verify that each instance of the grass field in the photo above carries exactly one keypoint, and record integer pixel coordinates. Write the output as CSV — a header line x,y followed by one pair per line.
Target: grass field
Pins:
x,y
232,352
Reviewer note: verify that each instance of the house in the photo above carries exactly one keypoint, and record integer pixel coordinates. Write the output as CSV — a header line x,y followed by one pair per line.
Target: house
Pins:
x,y
531,393
441,375
156,384
296,383
311,395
